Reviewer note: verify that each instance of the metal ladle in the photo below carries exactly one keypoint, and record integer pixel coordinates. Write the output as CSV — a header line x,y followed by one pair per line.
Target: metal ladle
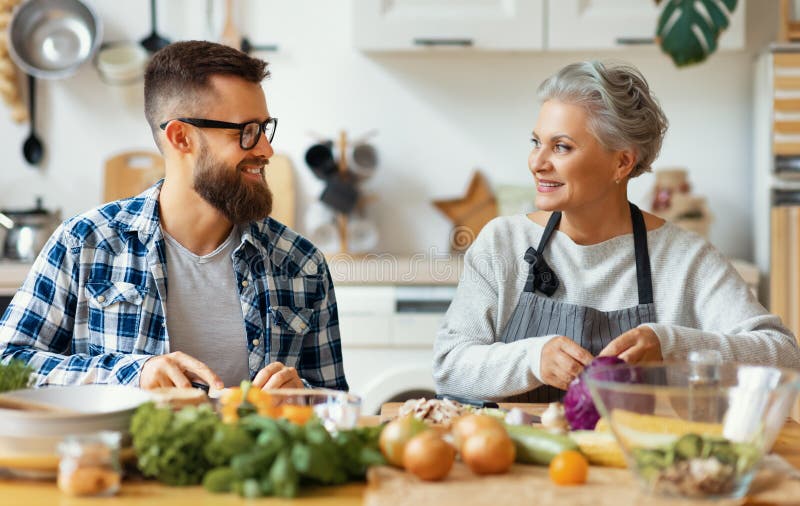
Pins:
x,y
154,41
32,149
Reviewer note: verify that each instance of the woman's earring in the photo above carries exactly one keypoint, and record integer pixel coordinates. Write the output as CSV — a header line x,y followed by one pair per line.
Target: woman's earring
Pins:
x,y
616,181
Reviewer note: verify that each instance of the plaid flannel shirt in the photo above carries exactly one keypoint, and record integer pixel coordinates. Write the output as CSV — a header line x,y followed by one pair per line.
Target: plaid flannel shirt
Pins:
x,y
91,309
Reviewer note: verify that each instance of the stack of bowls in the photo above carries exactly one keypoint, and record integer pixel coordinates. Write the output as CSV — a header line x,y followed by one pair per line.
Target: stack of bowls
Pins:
x,y
29,439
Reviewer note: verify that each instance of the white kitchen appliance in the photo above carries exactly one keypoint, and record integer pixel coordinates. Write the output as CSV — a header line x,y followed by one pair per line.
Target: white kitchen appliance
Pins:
x,y
387,339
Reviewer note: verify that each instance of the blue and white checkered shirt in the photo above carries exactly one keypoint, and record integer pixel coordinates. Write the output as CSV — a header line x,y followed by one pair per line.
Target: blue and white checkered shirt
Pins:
x,y
92,307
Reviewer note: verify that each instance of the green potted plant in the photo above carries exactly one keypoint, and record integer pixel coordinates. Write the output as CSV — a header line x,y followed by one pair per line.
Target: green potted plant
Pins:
x,y
688,30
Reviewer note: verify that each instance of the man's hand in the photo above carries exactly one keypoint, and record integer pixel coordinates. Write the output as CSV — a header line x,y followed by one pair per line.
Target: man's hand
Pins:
x,y
277,375
562,361
176,369
636,345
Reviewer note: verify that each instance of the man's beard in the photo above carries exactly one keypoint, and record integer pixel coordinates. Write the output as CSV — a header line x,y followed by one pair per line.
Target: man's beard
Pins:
x,y
226,189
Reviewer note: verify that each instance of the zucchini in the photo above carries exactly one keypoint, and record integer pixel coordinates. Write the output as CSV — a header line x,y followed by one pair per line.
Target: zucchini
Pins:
x,y
537,446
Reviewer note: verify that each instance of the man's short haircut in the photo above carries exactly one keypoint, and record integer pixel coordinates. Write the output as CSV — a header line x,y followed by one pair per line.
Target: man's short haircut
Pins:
x,y
177,77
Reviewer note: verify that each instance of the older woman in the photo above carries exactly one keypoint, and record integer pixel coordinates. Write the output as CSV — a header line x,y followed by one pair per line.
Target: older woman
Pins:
x,y
589,274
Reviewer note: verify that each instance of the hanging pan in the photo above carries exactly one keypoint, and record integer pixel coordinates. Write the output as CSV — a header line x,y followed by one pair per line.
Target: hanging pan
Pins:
x,y
50,39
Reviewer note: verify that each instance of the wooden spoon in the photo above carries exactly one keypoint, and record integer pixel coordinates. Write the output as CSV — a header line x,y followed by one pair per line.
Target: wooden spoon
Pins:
x,y
230,34
9,402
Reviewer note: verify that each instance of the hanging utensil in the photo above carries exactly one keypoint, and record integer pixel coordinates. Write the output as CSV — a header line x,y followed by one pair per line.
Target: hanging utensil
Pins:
x,y
6,221
32,149
248,47
50,39
154,41
319,158
230,35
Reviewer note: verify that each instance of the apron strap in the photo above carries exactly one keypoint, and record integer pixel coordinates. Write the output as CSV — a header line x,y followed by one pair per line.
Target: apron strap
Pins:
x,y
552,223
540,276
643,278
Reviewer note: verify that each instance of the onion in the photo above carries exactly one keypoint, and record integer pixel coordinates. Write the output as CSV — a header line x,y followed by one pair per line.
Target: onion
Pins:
x,y
488,451
466,426
396,434
428,456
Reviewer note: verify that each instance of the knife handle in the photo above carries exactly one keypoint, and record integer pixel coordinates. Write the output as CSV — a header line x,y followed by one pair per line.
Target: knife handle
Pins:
x,y
478,403
201,386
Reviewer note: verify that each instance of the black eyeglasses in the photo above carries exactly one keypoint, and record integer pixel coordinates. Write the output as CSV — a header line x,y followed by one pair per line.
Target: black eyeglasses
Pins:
x,y
249,133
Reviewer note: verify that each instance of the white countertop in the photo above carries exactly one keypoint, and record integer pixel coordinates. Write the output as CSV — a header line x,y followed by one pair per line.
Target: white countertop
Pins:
x,y
377,268
389,269
12,274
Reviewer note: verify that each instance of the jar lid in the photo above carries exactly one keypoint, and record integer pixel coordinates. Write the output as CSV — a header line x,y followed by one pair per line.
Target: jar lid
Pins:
x,y
99,444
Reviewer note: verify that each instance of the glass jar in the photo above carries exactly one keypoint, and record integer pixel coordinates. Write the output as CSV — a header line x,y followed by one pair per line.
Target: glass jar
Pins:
x,y
90,464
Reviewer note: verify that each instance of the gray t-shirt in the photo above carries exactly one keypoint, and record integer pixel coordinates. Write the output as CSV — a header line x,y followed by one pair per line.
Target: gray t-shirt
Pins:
x,y
204,314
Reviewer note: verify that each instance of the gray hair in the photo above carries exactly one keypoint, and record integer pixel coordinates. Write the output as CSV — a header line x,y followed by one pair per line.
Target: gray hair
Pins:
x,y
623,113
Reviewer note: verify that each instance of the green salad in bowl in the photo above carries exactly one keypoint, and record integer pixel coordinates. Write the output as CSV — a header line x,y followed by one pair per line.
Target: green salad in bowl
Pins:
x,y
694,430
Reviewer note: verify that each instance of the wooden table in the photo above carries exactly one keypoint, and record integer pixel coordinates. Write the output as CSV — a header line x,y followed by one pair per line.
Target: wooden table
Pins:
x,y
34,493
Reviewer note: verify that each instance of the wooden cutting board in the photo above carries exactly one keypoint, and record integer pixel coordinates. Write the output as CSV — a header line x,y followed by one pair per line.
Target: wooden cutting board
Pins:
x,y
131,172
531,485
389,410
280,178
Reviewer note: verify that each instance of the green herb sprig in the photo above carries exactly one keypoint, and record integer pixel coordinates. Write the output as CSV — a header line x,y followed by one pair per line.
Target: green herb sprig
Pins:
x,y
14,375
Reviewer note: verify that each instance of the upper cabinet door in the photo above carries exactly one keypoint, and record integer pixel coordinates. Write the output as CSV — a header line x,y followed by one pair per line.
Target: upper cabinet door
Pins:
x,y
391,25
610,24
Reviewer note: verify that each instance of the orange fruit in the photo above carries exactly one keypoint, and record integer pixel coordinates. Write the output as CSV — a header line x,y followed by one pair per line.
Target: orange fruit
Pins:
x,y
298,415
569,468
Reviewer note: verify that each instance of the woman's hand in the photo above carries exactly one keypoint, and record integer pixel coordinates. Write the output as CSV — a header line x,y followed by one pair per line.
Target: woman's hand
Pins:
x,y
562,361
636,345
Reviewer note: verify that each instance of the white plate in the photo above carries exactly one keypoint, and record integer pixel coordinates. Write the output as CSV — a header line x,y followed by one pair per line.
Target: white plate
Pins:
x,y
97,407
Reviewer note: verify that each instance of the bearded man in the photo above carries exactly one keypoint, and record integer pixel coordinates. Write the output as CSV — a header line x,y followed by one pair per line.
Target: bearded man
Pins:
x,y
191,281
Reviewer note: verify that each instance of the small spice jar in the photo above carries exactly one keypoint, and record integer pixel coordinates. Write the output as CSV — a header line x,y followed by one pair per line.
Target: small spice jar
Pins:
x,y
90,464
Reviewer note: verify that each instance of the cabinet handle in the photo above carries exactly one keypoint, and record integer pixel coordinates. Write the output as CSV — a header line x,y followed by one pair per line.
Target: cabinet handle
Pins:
x,y
635,41
443,42
785,197
787,165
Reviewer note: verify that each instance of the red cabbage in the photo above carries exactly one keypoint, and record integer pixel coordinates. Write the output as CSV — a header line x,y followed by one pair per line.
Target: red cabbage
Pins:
x,y
579,407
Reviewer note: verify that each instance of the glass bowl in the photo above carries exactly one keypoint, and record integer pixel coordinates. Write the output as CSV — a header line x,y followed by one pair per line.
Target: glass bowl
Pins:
x,y
335,409
694,430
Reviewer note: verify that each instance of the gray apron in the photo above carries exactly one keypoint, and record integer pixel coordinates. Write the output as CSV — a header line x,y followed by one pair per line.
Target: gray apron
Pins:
x,y
537,315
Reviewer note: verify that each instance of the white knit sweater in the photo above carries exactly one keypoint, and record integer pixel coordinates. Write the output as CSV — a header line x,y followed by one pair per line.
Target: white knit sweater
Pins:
x,y
701,303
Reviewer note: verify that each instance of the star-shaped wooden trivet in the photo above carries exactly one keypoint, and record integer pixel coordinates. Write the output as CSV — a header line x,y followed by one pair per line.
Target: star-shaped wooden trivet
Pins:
x,y
469,213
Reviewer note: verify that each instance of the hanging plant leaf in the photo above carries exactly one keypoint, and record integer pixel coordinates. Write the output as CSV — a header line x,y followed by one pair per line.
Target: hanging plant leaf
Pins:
x,y
688,30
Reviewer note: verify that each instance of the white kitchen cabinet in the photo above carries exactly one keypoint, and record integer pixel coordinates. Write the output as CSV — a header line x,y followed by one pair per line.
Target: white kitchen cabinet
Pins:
x,y
387,335
612,24
402,25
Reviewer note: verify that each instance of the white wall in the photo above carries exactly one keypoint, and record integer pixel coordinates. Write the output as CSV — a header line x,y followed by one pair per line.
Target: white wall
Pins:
x,y
439,116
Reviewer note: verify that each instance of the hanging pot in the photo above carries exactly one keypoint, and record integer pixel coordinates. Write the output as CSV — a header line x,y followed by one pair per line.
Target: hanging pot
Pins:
x,y
51,39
